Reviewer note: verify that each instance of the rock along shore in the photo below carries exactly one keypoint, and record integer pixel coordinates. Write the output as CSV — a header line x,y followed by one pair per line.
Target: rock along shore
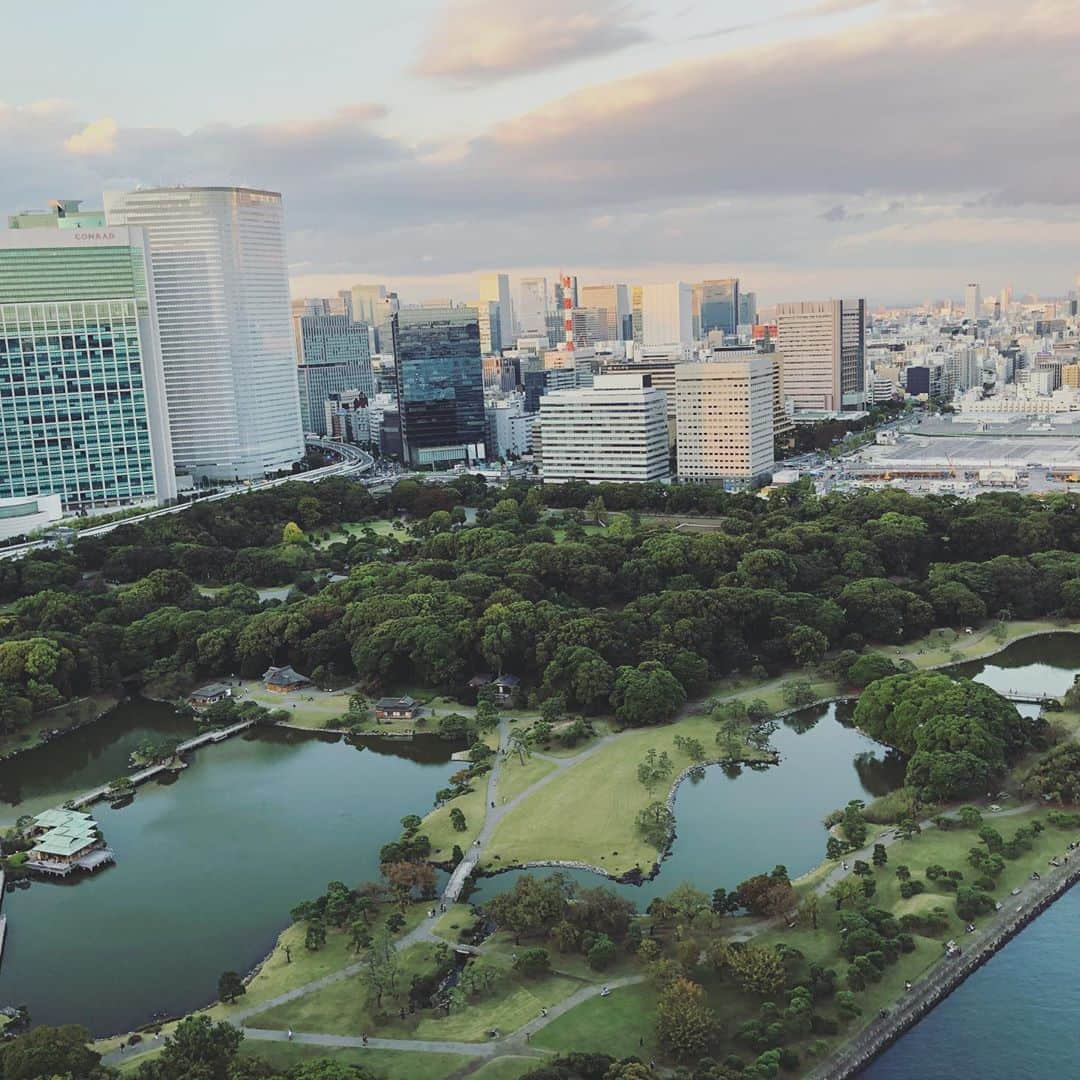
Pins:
x,y
946,976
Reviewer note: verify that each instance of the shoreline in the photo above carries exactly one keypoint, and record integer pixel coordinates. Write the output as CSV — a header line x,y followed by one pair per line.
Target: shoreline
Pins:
x,y
940,982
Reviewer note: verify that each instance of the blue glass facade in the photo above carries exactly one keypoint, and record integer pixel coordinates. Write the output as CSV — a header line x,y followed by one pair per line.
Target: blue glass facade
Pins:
x,y
440,384
336,357
73,408
720,306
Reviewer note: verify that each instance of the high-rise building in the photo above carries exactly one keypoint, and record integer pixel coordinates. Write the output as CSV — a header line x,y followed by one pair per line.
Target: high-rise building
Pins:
x,y
611,307
637,314
720,305
373,305
82,393
667,318
337,357
440,384
822,349
533,307
495,288
724,419
491,343
973,301
222,294
747,308
616,430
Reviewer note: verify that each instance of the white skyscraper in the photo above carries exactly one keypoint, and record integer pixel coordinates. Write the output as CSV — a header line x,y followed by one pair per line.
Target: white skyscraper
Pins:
x,y
533,307
222,291
724,419
973,301
667,314
496,287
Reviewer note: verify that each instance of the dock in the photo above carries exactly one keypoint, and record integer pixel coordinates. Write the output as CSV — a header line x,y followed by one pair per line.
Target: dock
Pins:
x,y
151,771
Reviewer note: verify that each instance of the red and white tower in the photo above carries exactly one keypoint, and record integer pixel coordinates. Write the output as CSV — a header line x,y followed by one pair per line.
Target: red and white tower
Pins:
x,y
568,312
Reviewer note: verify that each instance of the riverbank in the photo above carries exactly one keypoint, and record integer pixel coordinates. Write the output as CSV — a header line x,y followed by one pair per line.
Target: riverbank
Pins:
x,y
946,977
43,729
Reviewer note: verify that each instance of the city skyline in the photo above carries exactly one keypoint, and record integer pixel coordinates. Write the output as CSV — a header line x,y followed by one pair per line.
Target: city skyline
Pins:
x,y
471,147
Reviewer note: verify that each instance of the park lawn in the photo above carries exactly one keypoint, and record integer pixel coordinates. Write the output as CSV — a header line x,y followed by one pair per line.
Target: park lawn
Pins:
x,y
505,1068
938,647
347,1007
456,918
310,708
587,812
387,1064
515,777
500,948
613,1025
442,834
511,1003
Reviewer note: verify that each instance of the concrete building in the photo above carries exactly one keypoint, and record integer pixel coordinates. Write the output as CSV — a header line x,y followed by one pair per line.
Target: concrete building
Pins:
x,y
372,304
83,408
973,301
724,419
495,288
1070,375
614,431
61,214
667,314
610,305
491,342
509,427
22,516
822,349
440,384
533,307
222,295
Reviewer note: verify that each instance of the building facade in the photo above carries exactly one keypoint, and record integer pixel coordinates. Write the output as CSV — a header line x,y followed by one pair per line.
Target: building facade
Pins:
x,y
823,349
720,305
667,314
440,384
614,431
724,419
83,410
495,289
336,357
222,296
533,307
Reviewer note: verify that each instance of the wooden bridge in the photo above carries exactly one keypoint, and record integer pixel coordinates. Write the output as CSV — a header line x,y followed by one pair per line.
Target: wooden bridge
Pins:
x,y
151,771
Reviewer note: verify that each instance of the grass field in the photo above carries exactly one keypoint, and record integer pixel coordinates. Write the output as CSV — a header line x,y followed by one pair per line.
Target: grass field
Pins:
x,y
941,647
515,777
387,1064
587,813
505,1068
613,1025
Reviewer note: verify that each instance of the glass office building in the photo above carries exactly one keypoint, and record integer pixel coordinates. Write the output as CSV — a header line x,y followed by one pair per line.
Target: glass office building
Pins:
x,y
336,356
720,306
440,384
82,400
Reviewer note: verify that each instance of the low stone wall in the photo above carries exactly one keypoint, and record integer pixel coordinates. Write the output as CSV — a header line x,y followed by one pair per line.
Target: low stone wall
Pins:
x,y
945,977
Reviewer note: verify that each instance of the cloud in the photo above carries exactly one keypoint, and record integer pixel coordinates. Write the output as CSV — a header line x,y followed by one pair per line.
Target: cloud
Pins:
x,y
835,7
98,137
835,213
477,42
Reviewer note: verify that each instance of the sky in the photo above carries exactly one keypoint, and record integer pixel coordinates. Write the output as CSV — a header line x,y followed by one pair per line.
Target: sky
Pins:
x,y
889,148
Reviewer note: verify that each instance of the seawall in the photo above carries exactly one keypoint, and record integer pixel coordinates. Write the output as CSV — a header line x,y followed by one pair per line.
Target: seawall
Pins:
x,y
943,979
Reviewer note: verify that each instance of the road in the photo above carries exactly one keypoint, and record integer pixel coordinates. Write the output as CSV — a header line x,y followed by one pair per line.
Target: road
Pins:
x,y
353,463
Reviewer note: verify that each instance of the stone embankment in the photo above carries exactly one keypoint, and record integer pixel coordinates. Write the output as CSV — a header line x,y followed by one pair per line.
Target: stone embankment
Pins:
x,y
948,974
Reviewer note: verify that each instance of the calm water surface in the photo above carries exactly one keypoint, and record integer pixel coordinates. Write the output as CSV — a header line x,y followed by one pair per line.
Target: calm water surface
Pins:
x,y
208,867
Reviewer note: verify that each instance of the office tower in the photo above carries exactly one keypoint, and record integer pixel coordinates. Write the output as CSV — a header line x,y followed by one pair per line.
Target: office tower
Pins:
x,y
440,384
491,343
222,293
614,431
337,357
1070,375
724,419
666,314
373,305
747,309
82,392
61,214
720,305
509,427
973,301
822,345
660,365
495,288
533,307
637,315
610,305
1006,298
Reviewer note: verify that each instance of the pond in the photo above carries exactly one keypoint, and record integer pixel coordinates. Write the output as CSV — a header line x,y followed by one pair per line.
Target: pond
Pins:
x,y
733,824
208,866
